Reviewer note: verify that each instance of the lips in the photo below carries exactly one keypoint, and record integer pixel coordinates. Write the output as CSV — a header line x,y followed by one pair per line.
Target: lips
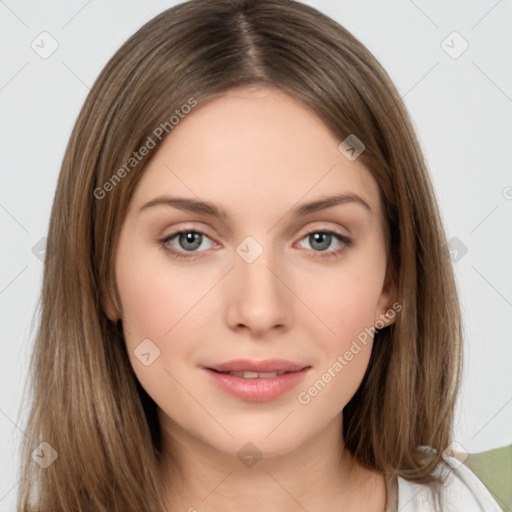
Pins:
x,y
254,375
266,366
257,381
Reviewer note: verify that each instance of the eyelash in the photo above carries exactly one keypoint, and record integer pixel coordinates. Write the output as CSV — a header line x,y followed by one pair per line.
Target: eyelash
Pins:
x,y
346,242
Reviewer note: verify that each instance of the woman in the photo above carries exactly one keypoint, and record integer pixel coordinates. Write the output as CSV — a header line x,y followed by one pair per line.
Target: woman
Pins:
x,y
247,290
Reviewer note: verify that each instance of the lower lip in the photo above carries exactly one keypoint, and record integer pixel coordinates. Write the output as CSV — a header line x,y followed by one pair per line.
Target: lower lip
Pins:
x,y
257,390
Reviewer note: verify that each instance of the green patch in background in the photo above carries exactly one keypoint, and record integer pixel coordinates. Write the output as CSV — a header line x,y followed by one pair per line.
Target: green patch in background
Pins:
x,y
494,469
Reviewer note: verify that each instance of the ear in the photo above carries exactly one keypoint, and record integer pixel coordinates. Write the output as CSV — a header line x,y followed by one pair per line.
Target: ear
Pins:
x,y
387,305
109,308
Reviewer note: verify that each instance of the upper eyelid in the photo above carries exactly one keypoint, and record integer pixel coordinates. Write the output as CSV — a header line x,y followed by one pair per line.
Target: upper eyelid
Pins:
x,y
205,232
187,229
314,229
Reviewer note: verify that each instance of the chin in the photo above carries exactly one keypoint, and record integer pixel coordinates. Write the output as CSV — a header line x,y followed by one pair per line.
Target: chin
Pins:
x,y
258,443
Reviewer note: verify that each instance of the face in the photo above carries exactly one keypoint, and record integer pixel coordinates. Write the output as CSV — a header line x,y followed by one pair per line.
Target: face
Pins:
x,y
261,279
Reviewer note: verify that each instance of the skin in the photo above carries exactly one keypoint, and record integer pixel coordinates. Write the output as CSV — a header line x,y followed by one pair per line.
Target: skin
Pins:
x,y
257,153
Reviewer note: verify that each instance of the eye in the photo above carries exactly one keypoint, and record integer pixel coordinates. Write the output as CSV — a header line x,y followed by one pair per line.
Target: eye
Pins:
x,y
320,241
187,241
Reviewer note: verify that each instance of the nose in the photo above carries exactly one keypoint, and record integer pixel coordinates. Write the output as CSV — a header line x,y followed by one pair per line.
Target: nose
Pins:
x,y
258,297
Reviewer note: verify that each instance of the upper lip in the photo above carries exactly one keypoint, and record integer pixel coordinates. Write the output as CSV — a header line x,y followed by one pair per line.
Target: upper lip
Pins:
x,y
268,365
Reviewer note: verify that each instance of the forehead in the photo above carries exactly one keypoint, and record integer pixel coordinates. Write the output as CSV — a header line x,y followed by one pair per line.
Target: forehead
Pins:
x,y
253,149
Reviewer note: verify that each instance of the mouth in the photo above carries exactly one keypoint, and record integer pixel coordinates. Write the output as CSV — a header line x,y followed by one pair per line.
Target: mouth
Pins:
x,y
257,381
253,375
265,366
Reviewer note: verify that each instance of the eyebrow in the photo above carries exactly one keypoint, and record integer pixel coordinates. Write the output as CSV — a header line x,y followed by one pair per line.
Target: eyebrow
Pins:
x,y
206,208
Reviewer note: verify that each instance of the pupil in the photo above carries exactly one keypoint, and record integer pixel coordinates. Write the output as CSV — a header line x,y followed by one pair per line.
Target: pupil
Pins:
x,y
194,239
317,238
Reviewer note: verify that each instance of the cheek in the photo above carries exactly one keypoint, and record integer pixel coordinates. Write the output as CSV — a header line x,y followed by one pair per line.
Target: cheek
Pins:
x,y
168,306
155,297
344,301
158,305
345,355
344,336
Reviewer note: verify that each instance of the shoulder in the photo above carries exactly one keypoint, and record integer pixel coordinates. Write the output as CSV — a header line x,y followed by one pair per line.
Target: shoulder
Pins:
x,y
462,491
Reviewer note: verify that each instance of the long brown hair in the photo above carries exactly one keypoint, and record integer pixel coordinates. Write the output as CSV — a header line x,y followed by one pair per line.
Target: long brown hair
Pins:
x,y
85,400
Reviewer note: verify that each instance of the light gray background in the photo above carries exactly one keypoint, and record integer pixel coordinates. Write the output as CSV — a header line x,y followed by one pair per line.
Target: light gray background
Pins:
x,y
461,108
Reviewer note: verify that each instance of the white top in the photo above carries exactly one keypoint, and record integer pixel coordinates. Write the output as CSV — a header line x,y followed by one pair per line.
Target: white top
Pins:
x,y
462,492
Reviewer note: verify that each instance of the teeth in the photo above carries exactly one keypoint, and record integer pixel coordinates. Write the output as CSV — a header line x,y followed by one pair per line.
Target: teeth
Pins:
x,y
255,375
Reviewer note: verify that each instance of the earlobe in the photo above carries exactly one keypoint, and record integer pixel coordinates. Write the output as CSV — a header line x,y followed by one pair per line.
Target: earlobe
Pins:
x,y
109,309
389,299
386,318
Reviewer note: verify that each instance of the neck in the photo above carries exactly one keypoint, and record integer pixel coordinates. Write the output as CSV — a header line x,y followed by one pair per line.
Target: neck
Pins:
x,y
318,474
